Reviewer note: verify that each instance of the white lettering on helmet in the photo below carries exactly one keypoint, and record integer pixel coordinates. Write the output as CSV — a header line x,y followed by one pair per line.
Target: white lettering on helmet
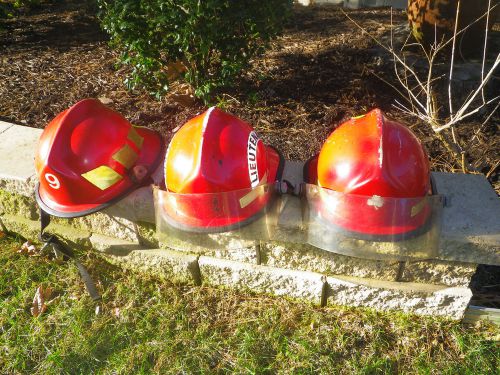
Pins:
x,y
253,170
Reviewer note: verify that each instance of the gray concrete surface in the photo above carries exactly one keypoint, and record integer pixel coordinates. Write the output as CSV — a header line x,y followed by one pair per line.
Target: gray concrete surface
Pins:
x,y
262,279
167,264
17,147
413,298
471,221
4,126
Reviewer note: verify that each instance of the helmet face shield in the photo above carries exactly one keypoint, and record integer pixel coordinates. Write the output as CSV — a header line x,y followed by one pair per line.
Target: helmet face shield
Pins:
x,y
373,226
236,218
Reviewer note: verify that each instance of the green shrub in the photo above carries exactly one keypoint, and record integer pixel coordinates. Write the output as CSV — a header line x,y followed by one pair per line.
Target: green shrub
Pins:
x,y
7,7
213,40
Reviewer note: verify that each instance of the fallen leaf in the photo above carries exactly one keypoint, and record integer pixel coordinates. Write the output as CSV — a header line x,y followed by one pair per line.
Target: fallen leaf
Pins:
x,y
105,101
39,306
182,94
2,234
29,249
175,70
185,100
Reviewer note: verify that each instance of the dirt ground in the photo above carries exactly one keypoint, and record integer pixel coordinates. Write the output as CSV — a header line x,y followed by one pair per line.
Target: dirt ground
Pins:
x,y
312,78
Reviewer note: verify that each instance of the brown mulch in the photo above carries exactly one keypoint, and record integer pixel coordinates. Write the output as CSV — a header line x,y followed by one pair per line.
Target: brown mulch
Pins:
x,y
311,79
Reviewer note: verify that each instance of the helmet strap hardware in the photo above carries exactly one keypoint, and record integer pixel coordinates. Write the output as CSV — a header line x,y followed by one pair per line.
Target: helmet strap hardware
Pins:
x,y
62,251
286,187
138,173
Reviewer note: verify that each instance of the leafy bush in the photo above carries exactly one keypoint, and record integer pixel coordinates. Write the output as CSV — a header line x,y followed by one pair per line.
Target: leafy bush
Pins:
x,y
7,7
205,42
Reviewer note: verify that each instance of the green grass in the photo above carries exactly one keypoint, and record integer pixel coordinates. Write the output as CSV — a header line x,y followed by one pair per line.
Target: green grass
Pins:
x,y
147,326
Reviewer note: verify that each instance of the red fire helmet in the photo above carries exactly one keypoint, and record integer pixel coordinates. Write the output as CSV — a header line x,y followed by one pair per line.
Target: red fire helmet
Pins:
x,y
89,156
381,174
217,173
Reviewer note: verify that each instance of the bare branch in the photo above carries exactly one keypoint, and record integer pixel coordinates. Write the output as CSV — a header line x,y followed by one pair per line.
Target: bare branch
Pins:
x,y
453,60
485,46
466,105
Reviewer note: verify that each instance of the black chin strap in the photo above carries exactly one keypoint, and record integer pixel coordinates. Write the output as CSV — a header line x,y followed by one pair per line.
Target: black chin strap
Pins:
x,y
63,251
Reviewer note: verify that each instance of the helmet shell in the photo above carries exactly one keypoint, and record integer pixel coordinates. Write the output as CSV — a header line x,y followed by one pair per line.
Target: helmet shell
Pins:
x,y
85,156
213,162
380,170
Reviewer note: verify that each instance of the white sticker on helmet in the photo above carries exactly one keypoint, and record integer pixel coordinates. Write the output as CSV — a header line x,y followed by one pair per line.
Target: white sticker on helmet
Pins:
x,y
253,170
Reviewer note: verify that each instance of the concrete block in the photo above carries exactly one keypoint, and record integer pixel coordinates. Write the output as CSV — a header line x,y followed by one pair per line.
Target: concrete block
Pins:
x,y
4,126
112,245
438,272
137,206
421,299
471,225
237,250
313,2
19,205
146,233
30,229
102,223
17,163
308,258
293,171
356,4
262,279
228,245
169,264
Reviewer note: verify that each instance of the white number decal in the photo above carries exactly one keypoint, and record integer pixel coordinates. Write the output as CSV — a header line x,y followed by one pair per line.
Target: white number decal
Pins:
x,y
52,180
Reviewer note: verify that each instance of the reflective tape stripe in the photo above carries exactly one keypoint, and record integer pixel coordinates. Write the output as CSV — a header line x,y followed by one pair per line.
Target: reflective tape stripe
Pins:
x,y
254,194
417,208
103,177
126,156
135,137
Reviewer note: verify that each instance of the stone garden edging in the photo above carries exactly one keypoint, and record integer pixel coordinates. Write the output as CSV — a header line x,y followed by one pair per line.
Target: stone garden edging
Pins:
x,y
125,233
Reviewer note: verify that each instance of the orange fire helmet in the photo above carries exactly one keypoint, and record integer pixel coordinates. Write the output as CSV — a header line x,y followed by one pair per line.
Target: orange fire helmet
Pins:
x,y
89,156
218,173
374,176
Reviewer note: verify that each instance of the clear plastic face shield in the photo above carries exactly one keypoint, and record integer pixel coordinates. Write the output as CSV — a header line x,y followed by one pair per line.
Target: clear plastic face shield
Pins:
x,y
372,227
223,221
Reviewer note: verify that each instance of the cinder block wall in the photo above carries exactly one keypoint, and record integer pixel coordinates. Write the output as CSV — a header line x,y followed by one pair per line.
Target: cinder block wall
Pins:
x,y
126,234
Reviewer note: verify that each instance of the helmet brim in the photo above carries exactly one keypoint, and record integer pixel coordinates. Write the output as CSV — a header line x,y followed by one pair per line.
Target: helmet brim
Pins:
x,y
150,156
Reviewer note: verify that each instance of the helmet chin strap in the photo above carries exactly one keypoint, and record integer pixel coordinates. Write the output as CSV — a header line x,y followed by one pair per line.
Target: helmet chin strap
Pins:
x,y
60,249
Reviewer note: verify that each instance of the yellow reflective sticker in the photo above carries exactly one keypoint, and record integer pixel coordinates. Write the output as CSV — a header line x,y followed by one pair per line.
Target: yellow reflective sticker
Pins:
x,y
103,177
135,137
357,117
254,194
126,156
416,209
